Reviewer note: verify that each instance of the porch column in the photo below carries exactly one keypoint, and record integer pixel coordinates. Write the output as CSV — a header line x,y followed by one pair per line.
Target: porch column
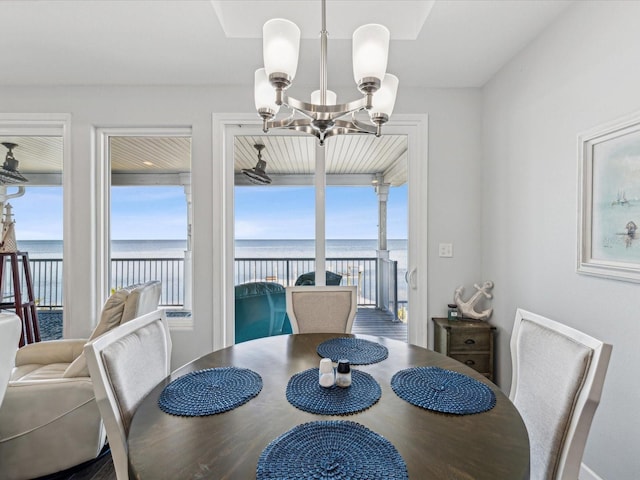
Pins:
x,y
382,277
320,184
185,180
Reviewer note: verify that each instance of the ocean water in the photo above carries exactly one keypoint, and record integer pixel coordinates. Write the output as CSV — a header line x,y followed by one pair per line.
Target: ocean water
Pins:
x,y
243,249
255,249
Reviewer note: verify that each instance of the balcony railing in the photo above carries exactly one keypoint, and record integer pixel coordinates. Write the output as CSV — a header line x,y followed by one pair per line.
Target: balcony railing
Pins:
x,y
362,272
355,271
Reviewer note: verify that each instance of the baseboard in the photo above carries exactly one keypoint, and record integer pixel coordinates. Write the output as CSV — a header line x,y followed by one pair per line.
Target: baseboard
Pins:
x,y
587,474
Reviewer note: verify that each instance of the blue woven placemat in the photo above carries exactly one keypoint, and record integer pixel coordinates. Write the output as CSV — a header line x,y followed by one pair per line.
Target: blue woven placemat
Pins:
x,y
335,449
357,350
210,391
442,390
304,392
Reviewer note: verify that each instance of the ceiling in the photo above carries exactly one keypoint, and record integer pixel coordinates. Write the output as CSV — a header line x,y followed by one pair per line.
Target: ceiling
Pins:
x,y
441,43
434,43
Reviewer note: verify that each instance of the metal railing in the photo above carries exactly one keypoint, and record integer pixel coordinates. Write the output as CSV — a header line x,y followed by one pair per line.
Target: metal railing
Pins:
x,y
361,271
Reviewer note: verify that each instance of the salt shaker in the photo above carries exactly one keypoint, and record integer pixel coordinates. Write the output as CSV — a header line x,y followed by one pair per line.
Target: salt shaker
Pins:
x,y
326,375
343,375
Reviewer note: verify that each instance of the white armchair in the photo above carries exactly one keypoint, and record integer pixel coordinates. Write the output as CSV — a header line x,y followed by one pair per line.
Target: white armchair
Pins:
x,y
10,329
49,420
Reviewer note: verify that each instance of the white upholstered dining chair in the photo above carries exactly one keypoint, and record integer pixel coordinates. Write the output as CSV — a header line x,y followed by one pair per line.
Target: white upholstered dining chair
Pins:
x,y
317,309
125,365
49,420
557,379
10,330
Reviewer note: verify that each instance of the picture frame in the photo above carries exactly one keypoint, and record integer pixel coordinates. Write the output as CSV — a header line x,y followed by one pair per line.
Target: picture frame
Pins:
x,y
609,200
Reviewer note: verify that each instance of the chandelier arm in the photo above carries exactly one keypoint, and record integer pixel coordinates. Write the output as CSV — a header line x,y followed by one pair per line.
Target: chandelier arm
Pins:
x,y
332,111
355,126
282,123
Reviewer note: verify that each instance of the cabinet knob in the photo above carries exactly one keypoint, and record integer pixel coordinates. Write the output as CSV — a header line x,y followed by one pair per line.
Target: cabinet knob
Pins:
x,y
469,341
470,362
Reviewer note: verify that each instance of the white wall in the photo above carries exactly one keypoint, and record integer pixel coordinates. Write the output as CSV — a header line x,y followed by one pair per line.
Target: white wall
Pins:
x,y
582,72
454,187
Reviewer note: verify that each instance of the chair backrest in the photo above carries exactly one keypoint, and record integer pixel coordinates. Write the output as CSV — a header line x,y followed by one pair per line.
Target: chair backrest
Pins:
x,y
125,364
123,305
557,378
329,309
10,330
127,303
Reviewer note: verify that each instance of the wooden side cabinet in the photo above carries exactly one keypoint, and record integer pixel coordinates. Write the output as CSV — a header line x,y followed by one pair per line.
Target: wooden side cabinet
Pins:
x,y
469,342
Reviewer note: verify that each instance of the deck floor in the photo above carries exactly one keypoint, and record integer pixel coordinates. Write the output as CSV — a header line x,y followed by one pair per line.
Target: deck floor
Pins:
x,y
371,321
368,321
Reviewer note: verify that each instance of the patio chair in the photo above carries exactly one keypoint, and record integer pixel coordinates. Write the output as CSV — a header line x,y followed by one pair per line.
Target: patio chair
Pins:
x,y
557,379
125,365
49,420
321,309
309,278
10,329
260,311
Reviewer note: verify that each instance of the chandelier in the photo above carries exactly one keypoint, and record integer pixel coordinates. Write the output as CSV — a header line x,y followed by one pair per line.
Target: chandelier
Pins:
x,y
323,117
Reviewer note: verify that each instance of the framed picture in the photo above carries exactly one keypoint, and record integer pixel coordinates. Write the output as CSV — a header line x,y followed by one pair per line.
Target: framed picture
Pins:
x,y
609,200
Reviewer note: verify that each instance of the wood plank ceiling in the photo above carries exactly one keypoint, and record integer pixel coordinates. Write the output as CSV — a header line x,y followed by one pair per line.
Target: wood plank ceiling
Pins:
x,y
350,159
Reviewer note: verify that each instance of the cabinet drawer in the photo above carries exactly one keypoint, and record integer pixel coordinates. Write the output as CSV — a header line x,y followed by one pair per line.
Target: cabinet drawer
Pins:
x,y
478,361
469,340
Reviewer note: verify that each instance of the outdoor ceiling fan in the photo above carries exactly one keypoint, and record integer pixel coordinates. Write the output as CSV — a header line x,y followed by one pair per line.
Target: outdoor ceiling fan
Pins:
x,y
257,174
9,173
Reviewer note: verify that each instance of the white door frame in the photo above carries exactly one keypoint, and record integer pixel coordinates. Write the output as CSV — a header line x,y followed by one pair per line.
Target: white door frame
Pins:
x,y
102,168
59,125
225,128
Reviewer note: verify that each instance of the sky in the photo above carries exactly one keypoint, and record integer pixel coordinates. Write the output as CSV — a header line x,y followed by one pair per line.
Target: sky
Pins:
x,y
289,213
159,212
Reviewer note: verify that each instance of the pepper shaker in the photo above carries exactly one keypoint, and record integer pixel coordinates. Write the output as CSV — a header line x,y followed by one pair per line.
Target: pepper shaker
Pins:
x,y
343,375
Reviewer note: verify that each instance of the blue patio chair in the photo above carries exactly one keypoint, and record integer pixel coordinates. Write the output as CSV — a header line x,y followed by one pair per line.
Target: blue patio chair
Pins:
x,y
310,279
260,311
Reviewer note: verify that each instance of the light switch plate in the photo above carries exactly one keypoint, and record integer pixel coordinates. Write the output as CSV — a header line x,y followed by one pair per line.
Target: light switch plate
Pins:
x,y
445,250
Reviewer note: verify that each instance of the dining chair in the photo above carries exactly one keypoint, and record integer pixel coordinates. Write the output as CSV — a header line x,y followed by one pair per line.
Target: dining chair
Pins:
x,y
50,407
10,330
557,380
125,365
314,309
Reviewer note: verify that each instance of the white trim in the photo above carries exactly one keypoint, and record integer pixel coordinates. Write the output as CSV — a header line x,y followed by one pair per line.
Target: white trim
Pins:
x,y
101,196
57,125
416,129
225,126
587,474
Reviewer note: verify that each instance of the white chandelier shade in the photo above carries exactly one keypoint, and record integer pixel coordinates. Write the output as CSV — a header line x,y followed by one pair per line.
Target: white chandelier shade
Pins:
x,y
324,117
263,92
385,98
370,52
281,47
331,99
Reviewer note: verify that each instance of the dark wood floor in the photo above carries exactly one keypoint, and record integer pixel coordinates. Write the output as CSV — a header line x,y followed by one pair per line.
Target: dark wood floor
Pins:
x,y
368,321
98,469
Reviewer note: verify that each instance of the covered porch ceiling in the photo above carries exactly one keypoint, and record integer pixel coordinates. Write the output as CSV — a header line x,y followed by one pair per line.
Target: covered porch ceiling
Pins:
x,y
351,160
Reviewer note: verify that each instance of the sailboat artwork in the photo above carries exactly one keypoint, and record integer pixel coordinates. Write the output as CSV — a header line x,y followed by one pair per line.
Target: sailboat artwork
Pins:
x,y
609,239
621,200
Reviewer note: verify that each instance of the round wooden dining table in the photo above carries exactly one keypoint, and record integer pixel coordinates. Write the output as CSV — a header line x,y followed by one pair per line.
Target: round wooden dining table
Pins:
x,y
491,445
